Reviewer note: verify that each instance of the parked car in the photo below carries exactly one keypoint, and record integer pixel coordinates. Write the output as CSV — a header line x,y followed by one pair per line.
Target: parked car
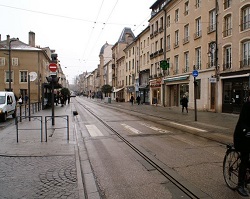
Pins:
x,y
7,105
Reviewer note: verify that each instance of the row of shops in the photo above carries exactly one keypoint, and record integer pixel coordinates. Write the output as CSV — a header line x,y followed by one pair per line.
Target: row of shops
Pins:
x,y
224,93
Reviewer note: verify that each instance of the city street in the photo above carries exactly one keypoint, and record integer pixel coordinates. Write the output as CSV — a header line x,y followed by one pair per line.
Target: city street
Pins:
x,y
97,163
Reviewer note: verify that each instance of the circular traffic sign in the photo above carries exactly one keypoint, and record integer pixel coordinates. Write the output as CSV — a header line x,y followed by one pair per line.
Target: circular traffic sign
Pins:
x,y
195,73
53,67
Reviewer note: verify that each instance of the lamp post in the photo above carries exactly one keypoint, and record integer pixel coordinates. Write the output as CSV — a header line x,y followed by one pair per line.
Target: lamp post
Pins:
x,y
10,62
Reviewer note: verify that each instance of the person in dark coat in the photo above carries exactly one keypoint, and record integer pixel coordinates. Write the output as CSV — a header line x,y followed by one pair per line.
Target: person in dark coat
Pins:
x,y
184,103
132,99
138,99
242,144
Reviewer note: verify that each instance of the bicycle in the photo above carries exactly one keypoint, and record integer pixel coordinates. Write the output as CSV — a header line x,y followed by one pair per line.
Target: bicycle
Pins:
x,y
231,164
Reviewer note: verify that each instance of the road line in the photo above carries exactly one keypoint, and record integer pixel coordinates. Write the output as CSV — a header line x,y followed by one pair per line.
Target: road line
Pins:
x,y
189,127
131,129
94,131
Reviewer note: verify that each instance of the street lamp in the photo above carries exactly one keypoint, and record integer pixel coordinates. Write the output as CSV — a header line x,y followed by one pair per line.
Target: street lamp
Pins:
x,y
11,40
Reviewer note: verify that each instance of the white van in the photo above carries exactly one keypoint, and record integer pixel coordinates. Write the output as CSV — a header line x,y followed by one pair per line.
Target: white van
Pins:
x,y
7,105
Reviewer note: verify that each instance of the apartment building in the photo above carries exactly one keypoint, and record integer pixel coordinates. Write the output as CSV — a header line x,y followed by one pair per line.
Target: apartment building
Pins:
x,y
119,64
181,33
233,53
142,70
24,58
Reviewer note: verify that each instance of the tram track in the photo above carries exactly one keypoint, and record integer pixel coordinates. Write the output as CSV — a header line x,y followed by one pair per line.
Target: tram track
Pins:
x,y
184,187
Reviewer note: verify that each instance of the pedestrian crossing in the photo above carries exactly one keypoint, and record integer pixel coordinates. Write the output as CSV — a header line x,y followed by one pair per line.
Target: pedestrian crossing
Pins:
x,y
95,132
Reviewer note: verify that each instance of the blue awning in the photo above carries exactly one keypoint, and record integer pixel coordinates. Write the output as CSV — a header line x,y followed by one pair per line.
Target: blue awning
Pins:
x,y
177,78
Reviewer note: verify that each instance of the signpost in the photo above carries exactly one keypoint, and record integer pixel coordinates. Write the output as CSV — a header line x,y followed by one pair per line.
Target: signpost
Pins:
x,y
53,69
195,74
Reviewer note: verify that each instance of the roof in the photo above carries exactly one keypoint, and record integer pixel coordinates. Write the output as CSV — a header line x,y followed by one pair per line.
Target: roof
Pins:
x,y
103,47
125,31
17,45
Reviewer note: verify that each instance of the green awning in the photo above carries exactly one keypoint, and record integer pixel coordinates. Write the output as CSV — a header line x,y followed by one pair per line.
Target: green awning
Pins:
x,y
177,78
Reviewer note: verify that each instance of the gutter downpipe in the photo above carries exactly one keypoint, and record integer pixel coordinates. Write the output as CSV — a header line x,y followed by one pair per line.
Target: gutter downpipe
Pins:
x,y
216,58
165,33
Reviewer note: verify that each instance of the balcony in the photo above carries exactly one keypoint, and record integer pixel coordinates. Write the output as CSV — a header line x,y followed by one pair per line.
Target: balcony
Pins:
x,y
161,51
227,66
197,34
245,25
210,64
156,32
245,63
151,55
151,35
186,40
211,28
176,44
227,32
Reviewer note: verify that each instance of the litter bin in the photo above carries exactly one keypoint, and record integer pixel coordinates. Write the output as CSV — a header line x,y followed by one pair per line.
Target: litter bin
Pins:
x,y
109,99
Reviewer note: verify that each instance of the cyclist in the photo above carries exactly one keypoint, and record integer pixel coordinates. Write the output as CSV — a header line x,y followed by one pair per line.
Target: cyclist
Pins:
x,y
242,144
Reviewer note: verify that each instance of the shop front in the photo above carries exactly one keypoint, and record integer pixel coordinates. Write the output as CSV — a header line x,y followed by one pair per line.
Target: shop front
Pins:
x,y
235,92
155,90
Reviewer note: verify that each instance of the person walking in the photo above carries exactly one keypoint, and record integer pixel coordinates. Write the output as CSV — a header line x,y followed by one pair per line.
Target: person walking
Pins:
x,y
20,100
242,144
26,98
138,99
184,103
132,99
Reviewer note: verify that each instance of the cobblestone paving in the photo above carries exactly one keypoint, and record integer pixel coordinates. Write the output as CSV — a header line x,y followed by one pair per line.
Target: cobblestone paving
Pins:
x,y
38,177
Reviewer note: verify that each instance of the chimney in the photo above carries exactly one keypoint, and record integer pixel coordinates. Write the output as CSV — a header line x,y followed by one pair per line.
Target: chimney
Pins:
x,y
0,37
32,39
8,40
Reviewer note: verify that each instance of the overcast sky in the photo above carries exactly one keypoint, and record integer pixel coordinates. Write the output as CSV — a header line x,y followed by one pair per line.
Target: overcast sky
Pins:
x,y
76,29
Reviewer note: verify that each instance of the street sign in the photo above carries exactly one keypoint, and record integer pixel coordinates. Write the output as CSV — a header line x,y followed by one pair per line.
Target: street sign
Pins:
x,y
164,65
212,80
195,73
53,67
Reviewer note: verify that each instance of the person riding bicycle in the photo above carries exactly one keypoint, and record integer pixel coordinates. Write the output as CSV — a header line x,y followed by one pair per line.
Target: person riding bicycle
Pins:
x,y
242,144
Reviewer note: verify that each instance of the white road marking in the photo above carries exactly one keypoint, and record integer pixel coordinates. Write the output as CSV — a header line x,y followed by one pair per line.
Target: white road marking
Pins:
x,y
131,129
93,131
189,127
155,128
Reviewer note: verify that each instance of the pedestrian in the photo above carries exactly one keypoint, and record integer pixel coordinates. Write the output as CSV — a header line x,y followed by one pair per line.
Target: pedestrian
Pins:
x,y
68,99
20,100
184,103
132,99
242,144
138,99
26,98
62,100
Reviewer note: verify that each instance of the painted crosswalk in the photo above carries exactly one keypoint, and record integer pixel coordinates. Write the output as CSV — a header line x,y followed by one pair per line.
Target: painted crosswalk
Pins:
x,y
94,131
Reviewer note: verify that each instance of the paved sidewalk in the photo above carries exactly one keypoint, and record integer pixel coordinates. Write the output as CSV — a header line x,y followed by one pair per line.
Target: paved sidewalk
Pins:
x,y
34,169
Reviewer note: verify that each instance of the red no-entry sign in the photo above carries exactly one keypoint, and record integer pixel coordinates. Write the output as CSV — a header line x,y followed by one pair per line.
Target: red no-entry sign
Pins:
x,y
52,67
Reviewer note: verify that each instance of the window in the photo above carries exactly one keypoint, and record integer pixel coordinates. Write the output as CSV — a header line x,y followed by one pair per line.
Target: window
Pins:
x,y
211,54
176,44
161,24
7,76
156,46
227,3
186,34
245,18
198,58
186,9
168,42
177,15
227,26
176,63
2,61
246,54
198,89
228,58
198,2
168,21
212,21
14,61
156,27
161,44
23,76
186,57
198,28
152,29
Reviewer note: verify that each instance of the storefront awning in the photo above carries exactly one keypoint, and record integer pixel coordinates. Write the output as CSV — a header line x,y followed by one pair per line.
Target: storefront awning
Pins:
x,y
117,90
234,76
178,78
